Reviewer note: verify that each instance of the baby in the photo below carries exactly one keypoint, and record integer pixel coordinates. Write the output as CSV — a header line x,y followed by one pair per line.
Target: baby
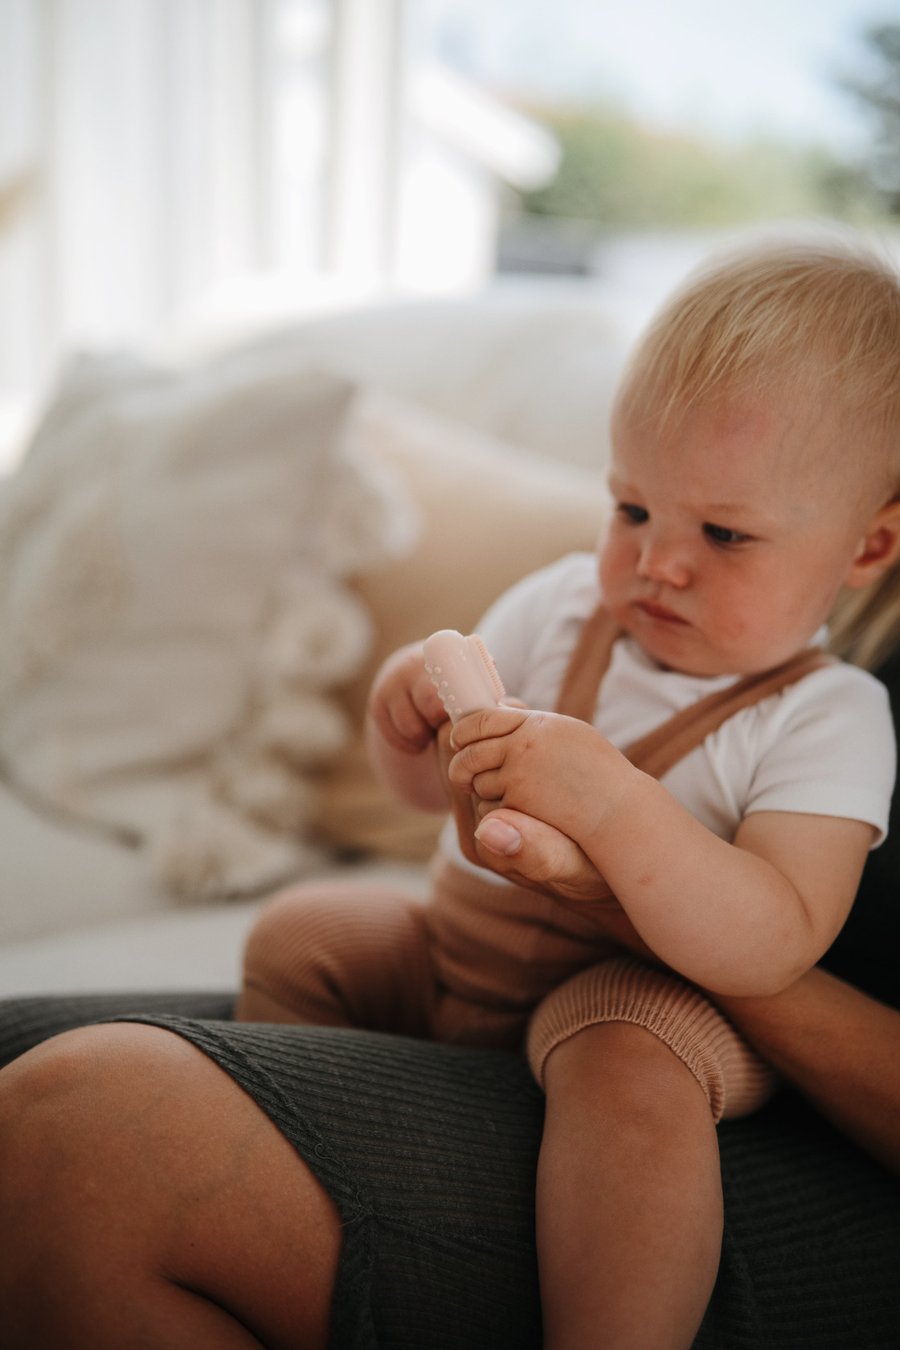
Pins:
x,y
719,776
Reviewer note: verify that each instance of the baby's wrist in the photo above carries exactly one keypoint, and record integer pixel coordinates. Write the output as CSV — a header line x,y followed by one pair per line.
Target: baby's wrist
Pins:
x,y
617,804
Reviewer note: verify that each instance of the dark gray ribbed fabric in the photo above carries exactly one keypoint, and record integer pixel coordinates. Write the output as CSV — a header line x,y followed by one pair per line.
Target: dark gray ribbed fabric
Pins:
x,y
25,1022
429,1152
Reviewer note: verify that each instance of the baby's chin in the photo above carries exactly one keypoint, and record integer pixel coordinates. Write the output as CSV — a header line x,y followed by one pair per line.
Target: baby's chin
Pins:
x,y
680,651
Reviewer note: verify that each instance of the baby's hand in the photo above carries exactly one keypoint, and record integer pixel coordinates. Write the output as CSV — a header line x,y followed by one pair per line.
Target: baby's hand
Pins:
x,y
558,769
404,705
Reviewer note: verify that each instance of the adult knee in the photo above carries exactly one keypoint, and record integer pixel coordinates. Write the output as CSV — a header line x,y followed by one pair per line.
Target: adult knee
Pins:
x,y
46,1124
62,1107
45,1105
135,1179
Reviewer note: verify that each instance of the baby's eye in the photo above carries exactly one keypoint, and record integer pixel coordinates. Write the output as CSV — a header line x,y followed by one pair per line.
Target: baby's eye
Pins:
x,y
720,534
634,515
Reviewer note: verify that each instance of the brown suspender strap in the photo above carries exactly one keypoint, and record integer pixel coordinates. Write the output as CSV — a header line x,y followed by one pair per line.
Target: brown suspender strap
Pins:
x,y
666,744
588,664
663,747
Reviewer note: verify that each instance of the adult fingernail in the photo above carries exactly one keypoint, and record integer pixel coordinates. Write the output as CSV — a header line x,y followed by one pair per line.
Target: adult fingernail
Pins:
x,y
499,837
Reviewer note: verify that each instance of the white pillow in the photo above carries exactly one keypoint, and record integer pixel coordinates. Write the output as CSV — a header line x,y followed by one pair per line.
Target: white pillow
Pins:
x,y
536,370
173,610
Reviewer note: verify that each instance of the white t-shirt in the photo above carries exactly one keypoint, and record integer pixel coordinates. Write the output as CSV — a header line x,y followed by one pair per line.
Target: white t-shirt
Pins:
x,y
822,746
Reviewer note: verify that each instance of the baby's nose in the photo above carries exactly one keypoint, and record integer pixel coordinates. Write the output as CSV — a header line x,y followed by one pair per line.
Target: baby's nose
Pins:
x,y
665,562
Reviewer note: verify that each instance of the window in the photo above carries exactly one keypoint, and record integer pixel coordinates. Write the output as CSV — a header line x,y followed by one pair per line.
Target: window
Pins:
x,y
160,158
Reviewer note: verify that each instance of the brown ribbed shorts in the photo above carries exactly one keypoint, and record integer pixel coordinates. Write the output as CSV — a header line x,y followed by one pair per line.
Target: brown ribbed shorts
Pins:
x,y
486,965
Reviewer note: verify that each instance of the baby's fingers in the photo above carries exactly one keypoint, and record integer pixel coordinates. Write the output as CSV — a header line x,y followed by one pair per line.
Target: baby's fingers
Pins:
x,y
488,724
401,723
475,767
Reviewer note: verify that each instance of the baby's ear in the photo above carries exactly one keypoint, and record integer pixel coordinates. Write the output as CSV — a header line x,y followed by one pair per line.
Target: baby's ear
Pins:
x,y
879,549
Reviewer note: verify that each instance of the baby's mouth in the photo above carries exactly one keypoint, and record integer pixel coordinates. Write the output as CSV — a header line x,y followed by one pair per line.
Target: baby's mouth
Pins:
x,y
659,612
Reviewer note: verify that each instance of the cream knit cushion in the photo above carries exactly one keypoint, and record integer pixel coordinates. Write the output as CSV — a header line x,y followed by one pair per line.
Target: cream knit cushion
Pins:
x,y
174,608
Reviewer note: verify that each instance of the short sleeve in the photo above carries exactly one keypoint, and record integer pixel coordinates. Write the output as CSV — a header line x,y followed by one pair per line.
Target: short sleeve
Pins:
x,y
829,749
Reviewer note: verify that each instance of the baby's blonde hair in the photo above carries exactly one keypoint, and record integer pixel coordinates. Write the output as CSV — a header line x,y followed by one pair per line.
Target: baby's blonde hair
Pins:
x,y
790,319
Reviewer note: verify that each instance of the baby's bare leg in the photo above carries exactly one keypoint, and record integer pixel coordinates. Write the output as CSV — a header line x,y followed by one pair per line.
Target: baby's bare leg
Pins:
x,y
145,1200
629,1200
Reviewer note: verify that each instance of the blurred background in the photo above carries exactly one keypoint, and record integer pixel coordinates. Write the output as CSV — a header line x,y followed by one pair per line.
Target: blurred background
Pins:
x,y
169,164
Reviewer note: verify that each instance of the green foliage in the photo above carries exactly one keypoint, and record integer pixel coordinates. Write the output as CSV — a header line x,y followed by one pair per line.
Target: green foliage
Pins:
x,y
881,93
618,173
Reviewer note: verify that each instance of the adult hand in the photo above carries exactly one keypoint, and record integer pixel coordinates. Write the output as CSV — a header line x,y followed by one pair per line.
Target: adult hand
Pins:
x,y
532,853
536,854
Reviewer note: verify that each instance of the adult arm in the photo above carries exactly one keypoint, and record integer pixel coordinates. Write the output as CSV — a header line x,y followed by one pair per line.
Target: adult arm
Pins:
x,y
839,1047
835,1044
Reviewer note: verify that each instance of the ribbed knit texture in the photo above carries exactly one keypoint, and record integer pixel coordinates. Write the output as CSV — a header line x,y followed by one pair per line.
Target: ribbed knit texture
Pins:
x,y
430,1153
25,1022
469,968
734,1079
496,950
341,956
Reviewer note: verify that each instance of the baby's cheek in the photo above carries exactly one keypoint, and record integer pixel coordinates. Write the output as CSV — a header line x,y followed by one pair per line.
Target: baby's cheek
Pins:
x,y
730,629
733,615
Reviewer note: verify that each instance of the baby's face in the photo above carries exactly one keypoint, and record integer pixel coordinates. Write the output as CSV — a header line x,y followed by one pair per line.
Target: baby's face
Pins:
x,y
731,535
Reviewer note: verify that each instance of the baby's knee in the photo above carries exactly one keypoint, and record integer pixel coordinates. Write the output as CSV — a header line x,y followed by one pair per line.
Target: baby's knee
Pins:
x,y
665,1022
291,921
282,912
283,950
624,1068
334,954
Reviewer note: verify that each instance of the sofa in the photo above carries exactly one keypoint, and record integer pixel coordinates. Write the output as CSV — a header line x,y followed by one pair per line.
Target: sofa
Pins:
x,y
207,548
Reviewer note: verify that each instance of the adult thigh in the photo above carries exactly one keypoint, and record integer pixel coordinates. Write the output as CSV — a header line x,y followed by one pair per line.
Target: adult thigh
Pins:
x,y
146,1199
